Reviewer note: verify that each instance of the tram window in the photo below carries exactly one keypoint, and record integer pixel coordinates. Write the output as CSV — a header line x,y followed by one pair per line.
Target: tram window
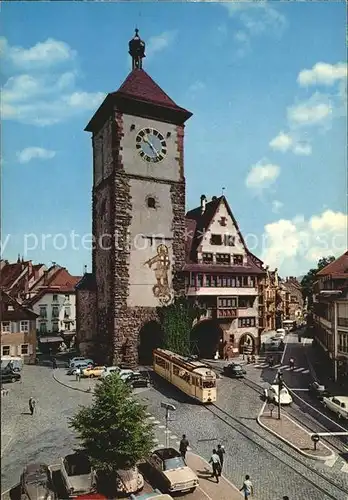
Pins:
x,y
208,384
160,362
175,370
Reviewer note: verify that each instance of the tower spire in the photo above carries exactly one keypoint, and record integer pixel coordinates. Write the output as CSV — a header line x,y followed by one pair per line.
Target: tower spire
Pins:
x,y
137,50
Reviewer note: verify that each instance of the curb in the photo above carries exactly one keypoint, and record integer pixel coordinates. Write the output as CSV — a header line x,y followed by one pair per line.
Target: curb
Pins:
x,y
6,494
320,458
69,386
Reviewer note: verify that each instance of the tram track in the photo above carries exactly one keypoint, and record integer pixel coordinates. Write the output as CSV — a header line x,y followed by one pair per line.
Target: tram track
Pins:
x,y
332,441
243,429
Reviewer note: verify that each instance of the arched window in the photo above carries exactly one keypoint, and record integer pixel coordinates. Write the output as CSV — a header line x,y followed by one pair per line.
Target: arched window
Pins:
x,y
151,202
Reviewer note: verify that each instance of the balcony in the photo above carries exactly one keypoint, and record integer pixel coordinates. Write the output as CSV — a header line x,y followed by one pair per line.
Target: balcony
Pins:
x,y
229,313
210,291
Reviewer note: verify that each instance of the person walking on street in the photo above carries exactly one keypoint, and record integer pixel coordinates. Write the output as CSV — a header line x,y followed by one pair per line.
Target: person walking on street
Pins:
x,y
54,363
215,462
220,452
32,404
292,363
247,487
184,444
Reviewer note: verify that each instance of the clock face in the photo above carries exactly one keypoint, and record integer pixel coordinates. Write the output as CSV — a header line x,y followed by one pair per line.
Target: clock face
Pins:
x,y
151,145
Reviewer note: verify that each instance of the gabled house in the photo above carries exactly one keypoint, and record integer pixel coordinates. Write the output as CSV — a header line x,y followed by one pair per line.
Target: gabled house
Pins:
x,y
18,329
53,300
17,278
330,314
223,276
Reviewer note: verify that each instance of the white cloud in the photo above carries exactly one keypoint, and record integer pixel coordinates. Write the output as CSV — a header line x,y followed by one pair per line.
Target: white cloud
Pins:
x,y
296,245
302,149
45,97
316,110
158,43
196,86
282,142
43,54
262,175
323,74
28,154
276,206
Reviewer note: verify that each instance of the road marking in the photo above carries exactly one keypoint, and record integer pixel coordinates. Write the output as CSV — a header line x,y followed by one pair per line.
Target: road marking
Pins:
x,y
284,366
152,418
263,365
161,426
156,422
148,414
303,390
305,371
297,370
331,462
345,468
204,493
173,437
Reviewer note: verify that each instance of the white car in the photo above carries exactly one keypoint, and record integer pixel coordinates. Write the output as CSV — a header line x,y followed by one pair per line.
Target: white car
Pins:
x,y
116,369
337,404
272,394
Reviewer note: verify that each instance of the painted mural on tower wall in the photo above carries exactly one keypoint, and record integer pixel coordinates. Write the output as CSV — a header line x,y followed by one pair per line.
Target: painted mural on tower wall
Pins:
x,y
160,263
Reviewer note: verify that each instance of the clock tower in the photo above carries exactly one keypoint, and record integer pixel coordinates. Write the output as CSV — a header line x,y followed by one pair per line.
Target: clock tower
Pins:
x,y
138,209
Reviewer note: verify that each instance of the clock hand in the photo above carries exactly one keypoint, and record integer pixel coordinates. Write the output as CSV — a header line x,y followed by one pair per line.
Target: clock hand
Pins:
x,y
146,140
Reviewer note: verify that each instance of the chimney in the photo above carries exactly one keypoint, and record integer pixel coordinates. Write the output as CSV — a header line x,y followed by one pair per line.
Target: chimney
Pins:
x,y
214,198
19,259
203,203
45,280
85,269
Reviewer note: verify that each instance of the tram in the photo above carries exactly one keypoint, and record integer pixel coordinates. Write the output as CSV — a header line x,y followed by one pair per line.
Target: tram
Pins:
x,y
194,378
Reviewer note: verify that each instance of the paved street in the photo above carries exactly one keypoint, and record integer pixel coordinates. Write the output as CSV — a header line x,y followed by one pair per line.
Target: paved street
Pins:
x,y
249,449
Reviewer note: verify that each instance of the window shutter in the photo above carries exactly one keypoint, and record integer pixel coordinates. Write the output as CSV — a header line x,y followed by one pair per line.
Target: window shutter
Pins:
x,y
19,350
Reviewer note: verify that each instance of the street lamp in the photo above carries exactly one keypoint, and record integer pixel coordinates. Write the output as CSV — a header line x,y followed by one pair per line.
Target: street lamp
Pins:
x,y
168,407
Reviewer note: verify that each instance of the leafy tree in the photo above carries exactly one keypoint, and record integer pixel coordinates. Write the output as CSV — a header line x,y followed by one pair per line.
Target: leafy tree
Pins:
x,y
176,320
114,430
309,279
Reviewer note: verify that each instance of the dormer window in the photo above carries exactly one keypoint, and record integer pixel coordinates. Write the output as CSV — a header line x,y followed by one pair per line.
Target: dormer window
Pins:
x,y
216,239
223,258
222,221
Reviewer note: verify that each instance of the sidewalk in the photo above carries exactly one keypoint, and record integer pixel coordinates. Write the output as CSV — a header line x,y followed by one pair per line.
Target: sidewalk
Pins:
x,y
69,381
321,368
293,434
224,490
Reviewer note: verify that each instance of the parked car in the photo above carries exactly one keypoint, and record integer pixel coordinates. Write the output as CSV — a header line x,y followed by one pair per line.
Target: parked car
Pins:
x,y
171,471
272,395
8,375
78,361
78,366
137,379
36,482
122,482
234,370
154,495
77,475
317,390
93,371
110,369
337,404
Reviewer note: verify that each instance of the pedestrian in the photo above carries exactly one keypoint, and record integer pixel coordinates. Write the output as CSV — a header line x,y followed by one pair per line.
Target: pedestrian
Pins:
x,y
292,363
184,444
215,462
247,487
54,363
32,404
220,452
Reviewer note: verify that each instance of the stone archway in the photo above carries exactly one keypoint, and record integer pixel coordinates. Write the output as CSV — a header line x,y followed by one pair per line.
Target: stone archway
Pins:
x,y
206,336
150,337
247,344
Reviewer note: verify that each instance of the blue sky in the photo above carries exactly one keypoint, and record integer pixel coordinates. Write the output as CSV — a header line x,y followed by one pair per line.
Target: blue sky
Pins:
x,y
267,87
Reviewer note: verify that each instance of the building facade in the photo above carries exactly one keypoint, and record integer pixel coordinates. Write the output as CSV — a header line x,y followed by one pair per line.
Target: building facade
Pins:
x,y
292,299
53,299
18,329
138,206
330,314
223,277
19,277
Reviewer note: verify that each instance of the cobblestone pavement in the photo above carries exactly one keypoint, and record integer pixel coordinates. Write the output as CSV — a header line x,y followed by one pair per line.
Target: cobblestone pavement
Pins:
x,y
274,471
45,436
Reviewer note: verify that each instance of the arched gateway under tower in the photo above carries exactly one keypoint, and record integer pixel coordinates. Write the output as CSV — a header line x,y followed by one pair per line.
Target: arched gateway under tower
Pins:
x,y
138,155
206,338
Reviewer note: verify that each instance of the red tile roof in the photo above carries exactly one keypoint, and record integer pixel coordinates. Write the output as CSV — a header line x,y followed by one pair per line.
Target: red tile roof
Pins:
x,y
20,311
140,85
337,268
10,273
57,280
197,223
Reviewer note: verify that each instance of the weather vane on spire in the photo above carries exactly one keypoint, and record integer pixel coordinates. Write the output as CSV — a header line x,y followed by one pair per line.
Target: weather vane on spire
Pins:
x,y
137,50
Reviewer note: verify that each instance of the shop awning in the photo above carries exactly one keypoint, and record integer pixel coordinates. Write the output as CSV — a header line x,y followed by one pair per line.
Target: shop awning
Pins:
x,y
46,340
